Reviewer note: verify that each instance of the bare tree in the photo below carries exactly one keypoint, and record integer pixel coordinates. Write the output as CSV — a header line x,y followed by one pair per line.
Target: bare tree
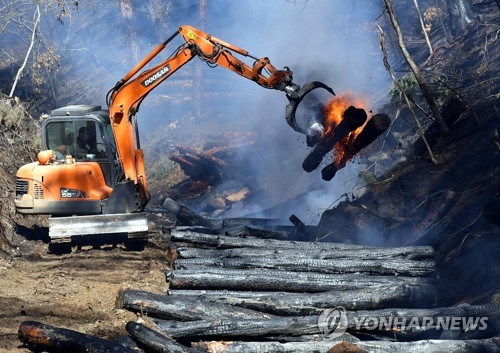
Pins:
x,y
460,17
416,71
424,31
127,10
36,21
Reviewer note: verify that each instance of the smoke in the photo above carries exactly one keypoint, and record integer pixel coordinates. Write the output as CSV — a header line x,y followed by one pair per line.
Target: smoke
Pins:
x,y
330,41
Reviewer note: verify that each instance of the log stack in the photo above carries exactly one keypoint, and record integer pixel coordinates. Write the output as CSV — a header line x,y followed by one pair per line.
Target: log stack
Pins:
x,y
252,290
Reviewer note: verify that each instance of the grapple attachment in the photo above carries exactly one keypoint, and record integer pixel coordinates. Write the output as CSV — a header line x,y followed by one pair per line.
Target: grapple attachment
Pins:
x,y
295,95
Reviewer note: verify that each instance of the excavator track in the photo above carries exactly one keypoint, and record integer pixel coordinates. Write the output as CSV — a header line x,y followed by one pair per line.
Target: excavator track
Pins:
x,y
130,229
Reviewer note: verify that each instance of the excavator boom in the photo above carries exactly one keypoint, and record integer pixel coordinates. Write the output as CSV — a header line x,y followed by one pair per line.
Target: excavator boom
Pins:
x,y
96,182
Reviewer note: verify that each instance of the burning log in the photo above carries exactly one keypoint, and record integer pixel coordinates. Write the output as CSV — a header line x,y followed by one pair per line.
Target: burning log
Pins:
x,y
187,216
490,345
273,280
41,337
225,242
290,304
353,118
376,126
334,266
409,253
179,308
153,340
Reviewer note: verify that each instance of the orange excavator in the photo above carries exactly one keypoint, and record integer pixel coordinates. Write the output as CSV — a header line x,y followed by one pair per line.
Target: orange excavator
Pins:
x,y
91,177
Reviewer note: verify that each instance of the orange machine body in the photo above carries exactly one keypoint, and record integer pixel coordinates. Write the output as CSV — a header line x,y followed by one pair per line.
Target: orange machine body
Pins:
x,y
67,180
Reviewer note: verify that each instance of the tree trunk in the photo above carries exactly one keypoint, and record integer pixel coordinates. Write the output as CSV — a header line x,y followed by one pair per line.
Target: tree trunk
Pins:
x,y
416,71
460,16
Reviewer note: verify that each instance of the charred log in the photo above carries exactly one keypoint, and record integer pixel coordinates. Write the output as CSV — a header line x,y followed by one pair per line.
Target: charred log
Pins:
x,y
41,337
262,280
352,119
225,242
410,253
153,340
376,126
179,308
186,216
286,303
333,266
299,325
403,323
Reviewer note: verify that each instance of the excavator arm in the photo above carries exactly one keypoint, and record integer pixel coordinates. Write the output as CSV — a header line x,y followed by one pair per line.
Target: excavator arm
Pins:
x,y
126,96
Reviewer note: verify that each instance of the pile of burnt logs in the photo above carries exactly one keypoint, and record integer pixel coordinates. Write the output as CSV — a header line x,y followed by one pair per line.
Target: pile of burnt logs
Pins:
x,y
249,289
242,286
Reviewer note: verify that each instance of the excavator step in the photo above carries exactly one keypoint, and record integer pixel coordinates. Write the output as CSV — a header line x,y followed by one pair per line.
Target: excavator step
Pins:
x,y
128,228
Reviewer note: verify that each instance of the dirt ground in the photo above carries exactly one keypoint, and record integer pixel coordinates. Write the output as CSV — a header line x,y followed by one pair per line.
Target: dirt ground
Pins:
x,y
75,291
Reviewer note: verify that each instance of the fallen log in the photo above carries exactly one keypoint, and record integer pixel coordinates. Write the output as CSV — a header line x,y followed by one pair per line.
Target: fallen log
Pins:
x,y
225,242
289,303
404,253
181,308
154,340
187,216
262,280
333,266
490,345
41,337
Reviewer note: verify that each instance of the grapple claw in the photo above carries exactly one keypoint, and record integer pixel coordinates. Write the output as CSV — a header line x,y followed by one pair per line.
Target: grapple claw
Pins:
x,y
295,96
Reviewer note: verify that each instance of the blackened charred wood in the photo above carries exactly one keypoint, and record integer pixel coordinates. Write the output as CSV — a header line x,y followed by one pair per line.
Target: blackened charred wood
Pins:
x,y
287,303
246,231
333,266
153,340
376,126
225,242
490,345
352,119
186,216
128,342
396,321
42,337
226,328
410,253
181,308
265,280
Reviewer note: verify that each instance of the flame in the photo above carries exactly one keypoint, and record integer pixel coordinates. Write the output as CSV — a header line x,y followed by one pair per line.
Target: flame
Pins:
x,y
334,113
